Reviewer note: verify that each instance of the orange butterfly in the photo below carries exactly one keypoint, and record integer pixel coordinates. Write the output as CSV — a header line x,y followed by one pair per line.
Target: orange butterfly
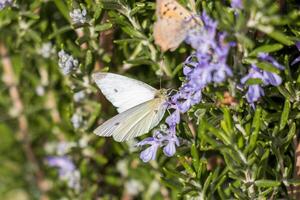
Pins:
x,y
172,25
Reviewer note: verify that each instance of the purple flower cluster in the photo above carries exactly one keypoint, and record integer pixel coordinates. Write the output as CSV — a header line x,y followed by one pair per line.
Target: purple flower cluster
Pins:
x,y
238,4
5,3
66,169
207,65
161,138
255,91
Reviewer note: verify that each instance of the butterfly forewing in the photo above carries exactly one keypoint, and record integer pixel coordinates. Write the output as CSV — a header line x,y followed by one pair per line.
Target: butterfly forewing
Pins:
x,y
123,92
171,9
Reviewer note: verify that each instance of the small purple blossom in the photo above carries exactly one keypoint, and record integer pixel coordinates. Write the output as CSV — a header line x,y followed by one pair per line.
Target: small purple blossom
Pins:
x,y
5,3
298,58
66,169
238,4
63,163
161,138
150,152
255,91
266,57
78,16
66,62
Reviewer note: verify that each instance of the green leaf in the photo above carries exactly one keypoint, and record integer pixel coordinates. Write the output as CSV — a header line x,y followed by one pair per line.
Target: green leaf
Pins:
x,y
285,114
255,127
171,184
195,156
254,81
103,27
294,182
267,67
187,166
267,183
280,37
268,48
62,7
291,133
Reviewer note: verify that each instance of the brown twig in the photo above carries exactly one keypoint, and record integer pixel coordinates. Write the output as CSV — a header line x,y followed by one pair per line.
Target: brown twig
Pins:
x,y
10,81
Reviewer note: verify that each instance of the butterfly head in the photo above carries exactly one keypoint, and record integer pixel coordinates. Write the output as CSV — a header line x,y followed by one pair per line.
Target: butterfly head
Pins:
x,y
162,93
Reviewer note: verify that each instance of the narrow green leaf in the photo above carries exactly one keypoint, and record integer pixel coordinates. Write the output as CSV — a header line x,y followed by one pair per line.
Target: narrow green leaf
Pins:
x,y
62,7
294,182
281,37
268,48
291,133
103,27
187,166
268,67
267,183
285,114
255,127
195,156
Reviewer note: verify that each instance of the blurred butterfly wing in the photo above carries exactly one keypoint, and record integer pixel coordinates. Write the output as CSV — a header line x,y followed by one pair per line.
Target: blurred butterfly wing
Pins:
x,y
123,92
171,38
134,122
172,25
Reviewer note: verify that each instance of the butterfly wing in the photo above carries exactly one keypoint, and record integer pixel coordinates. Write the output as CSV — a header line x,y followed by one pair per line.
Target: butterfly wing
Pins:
x,y
123,92
134,122
172,25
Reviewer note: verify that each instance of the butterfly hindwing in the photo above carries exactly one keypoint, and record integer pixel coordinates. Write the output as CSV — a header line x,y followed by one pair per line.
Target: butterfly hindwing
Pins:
x,y
133,122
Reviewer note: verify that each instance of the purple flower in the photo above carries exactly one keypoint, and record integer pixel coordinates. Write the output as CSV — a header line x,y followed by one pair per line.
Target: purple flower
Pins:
x,y
254,93
5,3
254,73
238,4
63,163
162,137
202,38
268,78
170,148
298,58
266,57
272,78
67,170
149,153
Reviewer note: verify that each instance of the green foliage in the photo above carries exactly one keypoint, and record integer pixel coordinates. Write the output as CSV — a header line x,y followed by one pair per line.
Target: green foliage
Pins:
x,y
227,151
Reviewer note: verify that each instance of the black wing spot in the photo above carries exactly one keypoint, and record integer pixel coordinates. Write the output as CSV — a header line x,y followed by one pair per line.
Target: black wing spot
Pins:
x,y
180,13
156,111
115,90
166,4
175,8
116,124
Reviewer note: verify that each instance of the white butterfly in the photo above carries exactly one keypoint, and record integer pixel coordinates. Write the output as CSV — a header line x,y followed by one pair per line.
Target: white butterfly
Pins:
x,y
141,106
